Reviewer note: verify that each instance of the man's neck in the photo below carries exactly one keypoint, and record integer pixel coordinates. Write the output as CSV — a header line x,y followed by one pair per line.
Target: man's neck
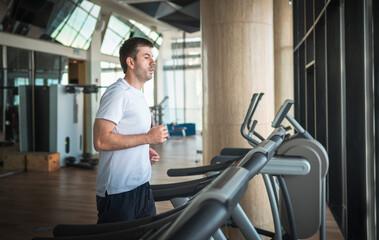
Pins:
x,y
133,81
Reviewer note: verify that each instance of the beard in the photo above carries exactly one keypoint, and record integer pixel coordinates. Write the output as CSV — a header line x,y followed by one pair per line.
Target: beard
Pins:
x,y
143,74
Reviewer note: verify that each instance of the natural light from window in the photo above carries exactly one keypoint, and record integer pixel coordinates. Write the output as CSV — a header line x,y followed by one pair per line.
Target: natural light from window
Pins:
x,y
77,29
119,30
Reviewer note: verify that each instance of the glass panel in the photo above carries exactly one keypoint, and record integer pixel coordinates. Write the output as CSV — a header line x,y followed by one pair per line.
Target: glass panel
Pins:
x,y
16,98
155,52
118,26
104,65
19,81
66,36
86,5
86,46
56,31
52,82
46,61
47,66
148,91
95,11
43,76
64,79
153,35
110,72
17,59
110,43
141,27
118,31
39,82
179,109
18,74
79,42
138,33
194,97
159,41
88,27
63,70
132,21
170,111
79,22
77,18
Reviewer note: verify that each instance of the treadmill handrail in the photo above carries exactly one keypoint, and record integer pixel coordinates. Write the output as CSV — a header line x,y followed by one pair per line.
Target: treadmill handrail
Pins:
x,y
215,202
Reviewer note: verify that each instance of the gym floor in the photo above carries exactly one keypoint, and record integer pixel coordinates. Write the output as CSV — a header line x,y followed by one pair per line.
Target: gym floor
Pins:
x,y
31,203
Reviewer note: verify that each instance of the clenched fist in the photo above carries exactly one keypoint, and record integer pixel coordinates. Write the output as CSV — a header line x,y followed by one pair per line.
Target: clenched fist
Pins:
x,y
158,134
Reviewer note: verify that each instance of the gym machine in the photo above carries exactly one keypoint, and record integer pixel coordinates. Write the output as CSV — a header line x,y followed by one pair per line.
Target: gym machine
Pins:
x,y
51,120
157,111
197,219
201,183
306,180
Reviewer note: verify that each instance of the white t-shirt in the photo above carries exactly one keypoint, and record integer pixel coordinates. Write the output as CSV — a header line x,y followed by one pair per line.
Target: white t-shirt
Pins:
x,y
123,170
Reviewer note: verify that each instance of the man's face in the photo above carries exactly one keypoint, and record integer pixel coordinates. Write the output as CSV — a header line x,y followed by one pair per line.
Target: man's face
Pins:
x,y
144,65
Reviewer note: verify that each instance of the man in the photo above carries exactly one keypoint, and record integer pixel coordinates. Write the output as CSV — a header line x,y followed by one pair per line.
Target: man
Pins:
x,y
122,136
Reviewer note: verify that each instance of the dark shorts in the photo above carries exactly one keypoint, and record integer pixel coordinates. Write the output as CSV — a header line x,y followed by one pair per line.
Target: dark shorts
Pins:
x,y
134,204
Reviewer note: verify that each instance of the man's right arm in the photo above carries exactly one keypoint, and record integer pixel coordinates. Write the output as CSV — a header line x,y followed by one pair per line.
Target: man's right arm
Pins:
x,y
104,139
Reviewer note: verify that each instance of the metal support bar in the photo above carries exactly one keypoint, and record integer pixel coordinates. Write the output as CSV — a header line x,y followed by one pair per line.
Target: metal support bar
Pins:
x,y
244,224
274,206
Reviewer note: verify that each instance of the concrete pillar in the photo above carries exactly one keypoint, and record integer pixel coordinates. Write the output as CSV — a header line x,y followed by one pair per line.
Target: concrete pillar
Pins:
x,y
283,52
238,60
94,76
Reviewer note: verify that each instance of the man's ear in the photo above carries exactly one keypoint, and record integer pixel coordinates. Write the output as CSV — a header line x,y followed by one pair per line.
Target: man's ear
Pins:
x,y
130,62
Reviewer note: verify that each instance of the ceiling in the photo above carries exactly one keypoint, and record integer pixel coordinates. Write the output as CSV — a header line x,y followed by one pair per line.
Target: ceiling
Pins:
x,y
182,14
162,16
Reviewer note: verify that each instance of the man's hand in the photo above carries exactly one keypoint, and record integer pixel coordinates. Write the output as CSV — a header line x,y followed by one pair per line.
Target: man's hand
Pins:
x,y
154,156
158,134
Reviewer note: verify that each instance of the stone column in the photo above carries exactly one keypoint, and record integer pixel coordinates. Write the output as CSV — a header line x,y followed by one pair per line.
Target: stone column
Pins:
x,y
283,52
238,60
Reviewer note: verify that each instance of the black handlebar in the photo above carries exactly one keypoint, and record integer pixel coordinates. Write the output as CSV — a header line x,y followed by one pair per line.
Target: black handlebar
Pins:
x,y
282,113
248,118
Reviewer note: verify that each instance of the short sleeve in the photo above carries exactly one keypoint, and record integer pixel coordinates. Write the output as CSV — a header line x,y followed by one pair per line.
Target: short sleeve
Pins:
x,y
113,104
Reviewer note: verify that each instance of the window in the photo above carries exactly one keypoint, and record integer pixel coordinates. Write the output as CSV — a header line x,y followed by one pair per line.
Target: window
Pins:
x,y
77,29
183,83
49,68
119,30
110,73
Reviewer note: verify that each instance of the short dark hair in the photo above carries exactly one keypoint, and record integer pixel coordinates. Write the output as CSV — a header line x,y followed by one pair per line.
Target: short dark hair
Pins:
x,y
130,49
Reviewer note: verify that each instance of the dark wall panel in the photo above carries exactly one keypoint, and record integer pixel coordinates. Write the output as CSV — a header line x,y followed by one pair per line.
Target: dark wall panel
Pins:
x,y
301,98
309,14
301,20
319,5
295,22
336,148
296,84
355,119
376,95
310,48
331,83
310,100
321,81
